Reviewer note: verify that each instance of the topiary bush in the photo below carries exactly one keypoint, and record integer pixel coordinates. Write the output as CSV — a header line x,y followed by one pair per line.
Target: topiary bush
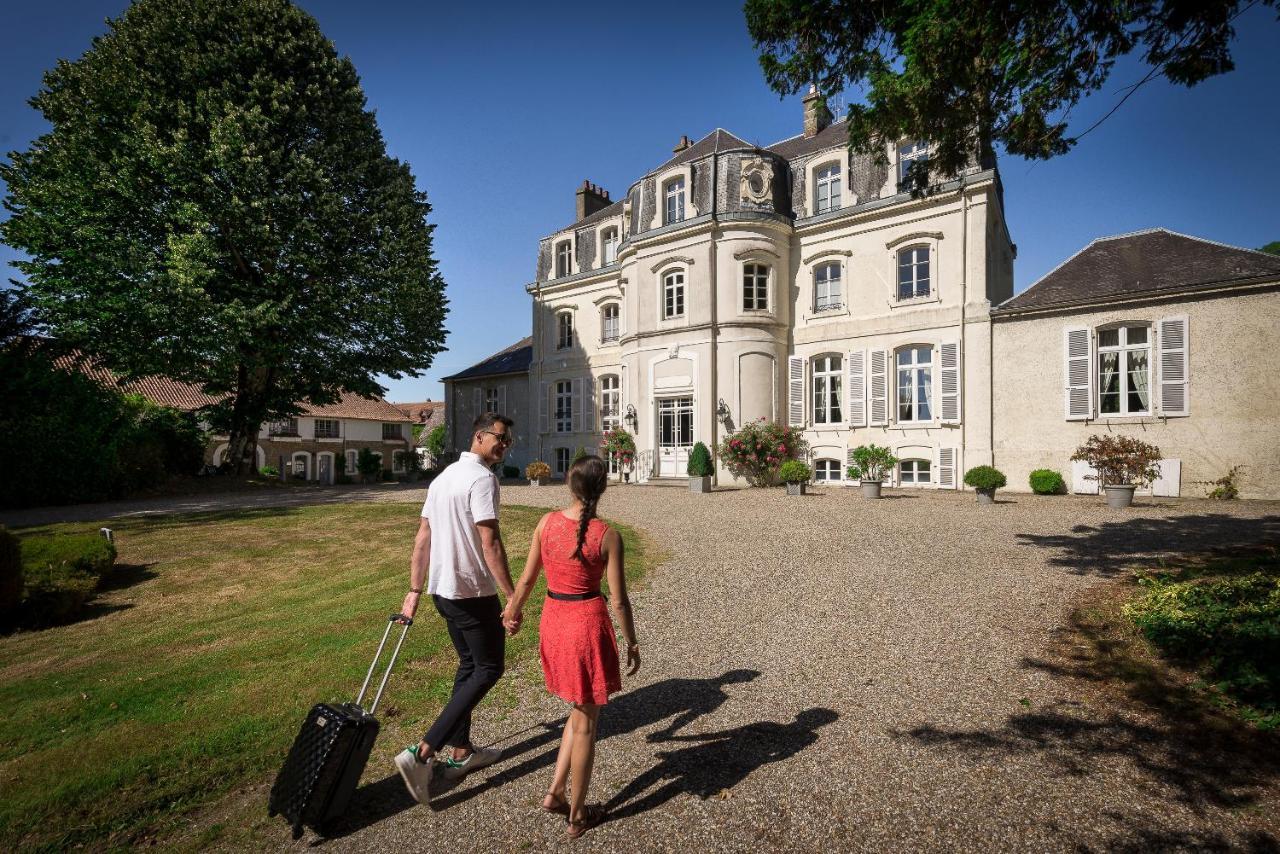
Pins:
x,y
984,477
10,575
794,471
1047,482
699,461
537,470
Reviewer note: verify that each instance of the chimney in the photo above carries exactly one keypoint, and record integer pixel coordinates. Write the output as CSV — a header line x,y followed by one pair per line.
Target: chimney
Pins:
x,y
591,199
681,145
817,117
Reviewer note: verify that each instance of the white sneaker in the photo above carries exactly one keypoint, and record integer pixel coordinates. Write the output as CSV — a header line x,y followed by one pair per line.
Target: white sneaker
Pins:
x,y
416,775
479,758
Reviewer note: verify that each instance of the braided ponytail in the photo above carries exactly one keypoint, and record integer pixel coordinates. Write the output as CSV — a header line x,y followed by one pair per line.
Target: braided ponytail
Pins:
x,y
588,478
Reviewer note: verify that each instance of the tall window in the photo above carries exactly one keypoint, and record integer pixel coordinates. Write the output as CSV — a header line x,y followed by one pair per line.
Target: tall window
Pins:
x,y
826,285
564,258
326,428
1124,371
352,456
910,153
673,294
914,472
564,406
610,325
491,400
913,272
826,390
675,201
610,403
827,189
755,287
610,245
826,470
564,325
562,461
915,384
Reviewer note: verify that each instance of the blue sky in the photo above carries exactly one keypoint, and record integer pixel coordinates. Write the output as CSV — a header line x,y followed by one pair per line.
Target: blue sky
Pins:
x,y
503,109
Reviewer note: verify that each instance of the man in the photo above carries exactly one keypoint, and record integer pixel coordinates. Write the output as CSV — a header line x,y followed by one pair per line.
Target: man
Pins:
x,y
460,548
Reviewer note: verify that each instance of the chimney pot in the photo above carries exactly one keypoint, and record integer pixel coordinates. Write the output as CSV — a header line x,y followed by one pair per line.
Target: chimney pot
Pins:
x,y
590,198
682,144
817,117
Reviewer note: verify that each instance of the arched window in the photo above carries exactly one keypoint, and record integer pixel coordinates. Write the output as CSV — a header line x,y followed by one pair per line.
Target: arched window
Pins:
x,y
827,292
609,245
610,323
673,294
755,287
913,272
610,403
826,471
827,393
1124,370
564,258
915,383
826,190
673,191
564,324
350,469
914,473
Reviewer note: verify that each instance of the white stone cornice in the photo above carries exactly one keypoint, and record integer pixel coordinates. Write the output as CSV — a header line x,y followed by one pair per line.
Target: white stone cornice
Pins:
x,y
826,252
915,235
669,260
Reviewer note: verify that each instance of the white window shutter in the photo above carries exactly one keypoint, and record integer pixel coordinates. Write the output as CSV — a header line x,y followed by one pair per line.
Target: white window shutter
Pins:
x,y
477,401
577,405
502,400
590,417
1079,373
856,389
949,377
622,397
879,388
544,408
1174,378
795,391
946,468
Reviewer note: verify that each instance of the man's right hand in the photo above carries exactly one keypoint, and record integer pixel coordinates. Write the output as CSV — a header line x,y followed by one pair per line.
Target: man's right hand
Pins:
x,y
410,606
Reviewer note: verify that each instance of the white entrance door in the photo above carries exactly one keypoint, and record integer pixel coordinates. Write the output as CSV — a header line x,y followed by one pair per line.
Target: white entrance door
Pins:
x,y
675,435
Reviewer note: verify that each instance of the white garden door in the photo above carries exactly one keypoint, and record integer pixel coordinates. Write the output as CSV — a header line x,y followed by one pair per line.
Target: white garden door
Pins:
x,y
675,435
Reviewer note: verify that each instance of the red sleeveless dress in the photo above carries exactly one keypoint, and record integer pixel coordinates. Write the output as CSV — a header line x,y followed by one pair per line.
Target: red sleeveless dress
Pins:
x,y
577,644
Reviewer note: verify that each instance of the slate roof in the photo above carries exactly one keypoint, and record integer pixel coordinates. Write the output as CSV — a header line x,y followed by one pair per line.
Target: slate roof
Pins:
x,y
513,360
837,133
718,140
1142,263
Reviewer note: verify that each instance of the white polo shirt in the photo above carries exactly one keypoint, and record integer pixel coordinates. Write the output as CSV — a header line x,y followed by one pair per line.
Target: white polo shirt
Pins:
x,y
463,494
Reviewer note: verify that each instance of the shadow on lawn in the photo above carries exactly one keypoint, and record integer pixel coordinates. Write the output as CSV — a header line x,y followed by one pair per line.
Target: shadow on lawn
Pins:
x,y
1140,542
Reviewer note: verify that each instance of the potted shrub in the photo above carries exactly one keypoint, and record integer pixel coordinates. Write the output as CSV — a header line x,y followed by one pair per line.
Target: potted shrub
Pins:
x,y
870,465
795,475
1047,482
758,448
1122,463
699,469
985,480
620,445
538,473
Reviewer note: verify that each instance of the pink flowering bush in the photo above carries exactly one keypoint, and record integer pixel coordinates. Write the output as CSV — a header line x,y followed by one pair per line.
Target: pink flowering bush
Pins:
x,y
621,445
757,451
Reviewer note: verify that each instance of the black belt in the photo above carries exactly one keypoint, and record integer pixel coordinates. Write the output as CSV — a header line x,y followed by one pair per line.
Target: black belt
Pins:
x,y
573,597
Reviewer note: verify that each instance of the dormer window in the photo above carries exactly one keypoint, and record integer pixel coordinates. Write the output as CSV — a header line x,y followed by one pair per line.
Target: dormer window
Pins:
x,y
609,244
564,258
564,325
910,153
675,201
827,189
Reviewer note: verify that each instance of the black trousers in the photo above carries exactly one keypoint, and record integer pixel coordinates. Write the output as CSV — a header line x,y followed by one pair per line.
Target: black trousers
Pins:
x,y
475,627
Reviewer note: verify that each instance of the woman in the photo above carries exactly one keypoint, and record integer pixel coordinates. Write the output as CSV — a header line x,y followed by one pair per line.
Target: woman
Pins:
x,y
578,649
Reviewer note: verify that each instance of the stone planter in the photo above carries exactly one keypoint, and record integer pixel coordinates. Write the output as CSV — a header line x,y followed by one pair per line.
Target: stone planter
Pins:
x,y
1120,495
871,488
540,481
986,496
796,488
700,484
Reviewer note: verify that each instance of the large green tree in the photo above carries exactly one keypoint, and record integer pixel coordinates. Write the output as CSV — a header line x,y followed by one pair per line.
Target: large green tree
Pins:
x,y
970,74
214,203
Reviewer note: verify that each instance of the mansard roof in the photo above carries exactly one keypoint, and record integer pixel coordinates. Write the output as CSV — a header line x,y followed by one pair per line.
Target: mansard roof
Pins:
x,y
512,360
1143,263
718,140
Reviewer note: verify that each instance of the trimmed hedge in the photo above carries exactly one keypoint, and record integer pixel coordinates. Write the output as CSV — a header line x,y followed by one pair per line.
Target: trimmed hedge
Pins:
x,y
1047,482
794,471
61,573
984,477
699,461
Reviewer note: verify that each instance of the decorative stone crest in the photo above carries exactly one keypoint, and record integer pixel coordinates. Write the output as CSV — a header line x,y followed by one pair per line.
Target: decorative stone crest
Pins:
x,y
756,181
673,351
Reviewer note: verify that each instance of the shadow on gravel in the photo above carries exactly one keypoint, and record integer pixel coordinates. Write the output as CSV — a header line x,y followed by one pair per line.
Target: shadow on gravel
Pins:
x,y
1113,547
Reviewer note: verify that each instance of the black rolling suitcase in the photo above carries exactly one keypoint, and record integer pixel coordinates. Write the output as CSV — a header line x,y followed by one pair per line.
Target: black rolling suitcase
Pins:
x,y
330,753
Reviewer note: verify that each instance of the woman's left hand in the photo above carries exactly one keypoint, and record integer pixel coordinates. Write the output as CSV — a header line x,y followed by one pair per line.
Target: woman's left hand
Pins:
x,y
633,659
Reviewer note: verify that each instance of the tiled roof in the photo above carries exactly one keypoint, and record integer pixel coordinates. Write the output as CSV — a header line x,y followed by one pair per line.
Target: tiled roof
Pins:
x,y
512,360
430,412
352,405
1142,263
835,134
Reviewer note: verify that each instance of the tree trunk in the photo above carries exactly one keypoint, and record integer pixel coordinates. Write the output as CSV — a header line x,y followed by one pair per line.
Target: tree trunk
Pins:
x,y
249,410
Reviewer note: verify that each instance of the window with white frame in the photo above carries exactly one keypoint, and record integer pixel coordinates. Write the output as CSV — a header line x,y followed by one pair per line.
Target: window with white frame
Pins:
x,y
351,463
564,258
564,327
392,431
826,471
562,462
827,293
755,287
826,190
673,294
913,272
909,153
327,428
564,406
674,193
610,403
826,390
491,400
609,246
1124,370
610,322
915,384
914,473
284,427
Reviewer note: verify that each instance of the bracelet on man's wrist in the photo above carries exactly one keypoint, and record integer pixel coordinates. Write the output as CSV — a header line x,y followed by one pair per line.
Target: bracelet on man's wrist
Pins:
x,y
417,590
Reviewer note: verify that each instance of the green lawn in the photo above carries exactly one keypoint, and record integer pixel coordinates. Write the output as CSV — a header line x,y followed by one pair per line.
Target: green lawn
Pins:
x,y
218,634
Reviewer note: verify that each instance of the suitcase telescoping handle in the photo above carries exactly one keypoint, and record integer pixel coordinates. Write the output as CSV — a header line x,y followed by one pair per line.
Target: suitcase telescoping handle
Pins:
x,y
395,618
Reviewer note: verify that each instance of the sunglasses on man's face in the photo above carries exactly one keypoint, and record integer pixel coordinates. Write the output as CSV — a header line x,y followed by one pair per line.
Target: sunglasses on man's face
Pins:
x,y
502,438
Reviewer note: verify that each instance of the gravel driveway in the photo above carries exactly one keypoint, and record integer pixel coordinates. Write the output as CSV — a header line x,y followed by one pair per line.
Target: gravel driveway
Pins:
x,y
832,674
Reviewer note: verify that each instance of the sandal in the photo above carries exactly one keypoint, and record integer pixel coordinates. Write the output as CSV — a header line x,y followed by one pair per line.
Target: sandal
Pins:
x,y
559,806
592,814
